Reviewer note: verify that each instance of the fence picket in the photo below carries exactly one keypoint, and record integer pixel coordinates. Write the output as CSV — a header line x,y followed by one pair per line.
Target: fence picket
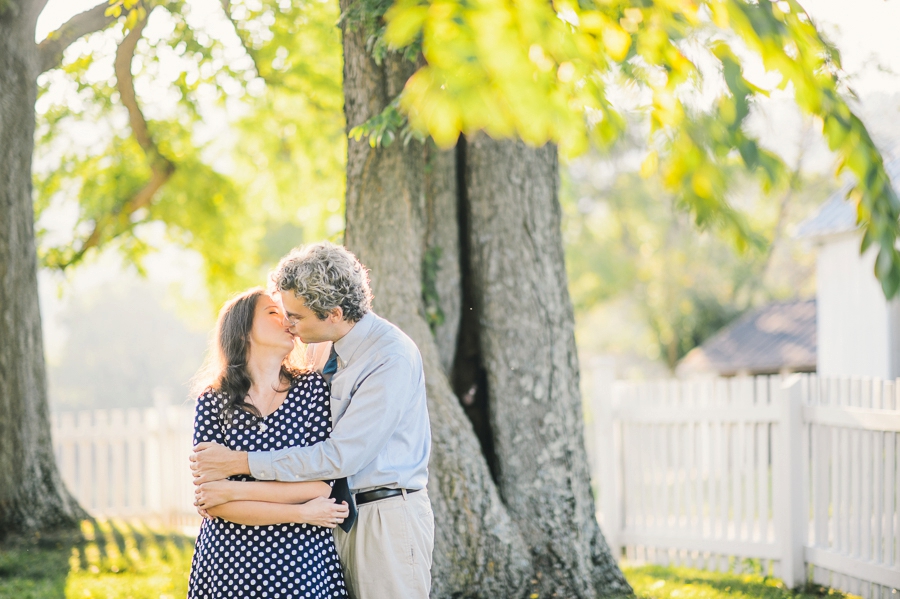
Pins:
x,y
134,450
674,473
660,480
889,464
894,444
867,482
85,473
117,424
704,500
637,477
878,479
722,485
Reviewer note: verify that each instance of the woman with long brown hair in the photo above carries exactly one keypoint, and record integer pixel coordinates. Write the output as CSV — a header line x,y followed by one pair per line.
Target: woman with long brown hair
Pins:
x,y
263,538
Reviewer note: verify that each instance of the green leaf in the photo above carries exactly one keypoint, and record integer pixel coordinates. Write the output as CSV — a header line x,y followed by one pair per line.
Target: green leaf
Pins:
x,y
404,24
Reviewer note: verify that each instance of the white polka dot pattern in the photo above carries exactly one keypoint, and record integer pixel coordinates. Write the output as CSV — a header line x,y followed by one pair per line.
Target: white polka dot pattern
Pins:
x,y
280,561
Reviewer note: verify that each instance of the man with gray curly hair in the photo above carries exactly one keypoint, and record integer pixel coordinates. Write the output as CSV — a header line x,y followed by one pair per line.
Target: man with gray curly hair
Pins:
x,y
325,276
381,438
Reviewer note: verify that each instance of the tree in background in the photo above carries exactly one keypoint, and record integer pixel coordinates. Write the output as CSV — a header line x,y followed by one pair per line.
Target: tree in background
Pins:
x,y
628,243
272,79
125,172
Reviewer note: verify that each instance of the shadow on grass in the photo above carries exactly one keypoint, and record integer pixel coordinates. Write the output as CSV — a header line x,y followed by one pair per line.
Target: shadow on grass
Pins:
x,y
34,567
105,558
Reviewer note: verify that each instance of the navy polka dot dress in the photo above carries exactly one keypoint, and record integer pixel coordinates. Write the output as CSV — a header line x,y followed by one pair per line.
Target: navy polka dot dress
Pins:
x,y
281,561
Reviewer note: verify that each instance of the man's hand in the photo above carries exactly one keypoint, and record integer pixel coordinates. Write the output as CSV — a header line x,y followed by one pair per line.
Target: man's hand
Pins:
x,y
211,461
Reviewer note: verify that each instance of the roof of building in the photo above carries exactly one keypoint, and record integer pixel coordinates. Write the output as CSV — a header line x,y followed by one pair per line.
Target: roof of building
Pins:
x,y
837,215
776,337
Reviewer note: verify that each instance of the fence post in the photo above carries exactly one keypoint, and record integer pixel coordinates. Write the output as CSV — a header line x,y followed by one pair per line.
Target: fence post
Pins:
x,y
790,506
609,458
162,400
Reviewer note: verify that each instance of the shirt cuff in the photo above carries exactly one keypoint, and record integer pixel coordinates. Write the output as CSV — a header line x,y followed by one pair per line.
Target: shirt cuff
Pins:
x,y
261,466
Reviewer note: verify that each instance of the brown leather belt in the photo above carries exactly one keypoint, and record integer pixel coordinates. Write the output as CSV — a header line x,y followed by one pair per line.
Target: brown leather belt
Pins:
x,y
382,493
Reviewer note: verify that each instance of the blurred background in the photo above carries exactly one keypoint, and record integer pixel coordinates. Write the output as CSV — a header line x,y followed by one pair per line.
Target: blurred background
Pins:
x,y
131,323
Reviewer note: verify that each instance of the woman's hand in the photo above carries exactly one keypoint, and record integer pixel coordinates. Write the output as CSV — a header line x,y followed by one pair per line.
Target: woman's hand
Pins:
x,y
209,495
323,511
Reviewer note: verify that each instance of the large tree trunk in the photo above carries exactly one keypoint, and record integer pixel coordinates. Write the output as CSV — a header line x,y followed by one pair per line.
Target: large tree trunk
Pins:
x,y
527,342
32,495
465,255
478,550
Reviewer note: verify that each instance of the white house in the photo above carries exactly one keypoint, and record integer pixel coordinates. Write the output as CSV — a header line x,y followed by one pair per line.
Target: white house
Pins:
x,y
858,331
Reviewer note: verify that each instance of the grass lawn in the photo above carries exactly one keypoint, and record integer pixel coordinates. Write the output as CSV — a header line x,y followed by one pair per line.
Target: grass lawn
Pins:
x,y
111,559
657,582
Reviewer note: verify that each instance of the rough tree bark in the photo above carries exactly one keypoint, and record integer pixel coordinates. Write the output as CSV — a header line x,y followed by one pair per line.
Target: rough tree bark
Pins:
x,y
32,495
527,343
478,551
407,216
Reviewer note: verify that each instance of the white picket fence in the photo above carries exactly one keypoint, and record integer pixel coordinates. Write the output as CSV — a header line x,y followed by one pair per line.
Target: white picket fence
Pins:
x,y
130,463
797,477
800,477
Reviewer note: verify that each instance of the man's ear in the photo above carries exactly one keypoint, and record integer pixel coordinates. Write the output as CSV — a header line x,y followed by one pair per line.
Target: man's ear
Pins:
x,y
336,315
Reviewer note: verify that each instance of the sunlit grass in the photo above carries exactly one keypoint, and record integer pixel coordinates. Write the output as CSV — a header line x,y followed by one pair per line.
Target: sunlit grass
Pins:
x,y
131,560
108,559
657,582
113,559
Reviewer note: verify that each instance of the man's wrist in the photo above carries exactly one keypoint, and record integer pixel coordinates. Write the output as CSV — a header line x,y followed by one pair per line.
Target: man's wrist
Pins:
x,y
240,463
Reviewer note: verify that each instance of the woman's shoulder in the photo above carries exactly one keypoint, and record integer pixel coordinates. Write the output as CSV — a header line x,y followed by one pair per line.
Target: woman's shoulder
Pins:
x,y
307,380
311,388
210,397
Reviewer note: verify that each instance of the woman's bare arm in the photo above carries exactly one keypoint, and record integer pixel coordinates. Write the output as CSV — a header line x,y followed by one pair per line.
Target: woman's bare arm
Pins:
x,y
320,511
211,494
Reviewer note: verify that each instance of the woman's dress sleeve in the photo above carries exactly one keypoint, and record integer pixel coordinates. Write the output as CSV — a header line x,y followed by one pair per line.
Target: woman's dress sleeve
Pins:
x,y
207,419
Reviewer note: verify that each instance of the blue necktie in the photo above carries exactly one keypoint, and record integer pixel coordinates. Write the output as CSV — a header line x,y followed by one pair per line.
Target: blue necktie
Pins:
x,y
340,491
330,366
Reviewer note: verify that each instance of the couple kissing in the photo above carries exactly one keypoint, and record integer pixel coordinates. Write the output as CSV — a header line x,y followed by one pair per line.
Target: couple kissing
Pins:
x,y
311,458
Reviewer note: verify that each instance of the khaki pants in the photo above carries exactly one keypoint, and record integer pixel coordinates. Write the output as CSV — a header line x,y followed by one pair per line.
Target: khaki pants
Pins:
x,y
387,553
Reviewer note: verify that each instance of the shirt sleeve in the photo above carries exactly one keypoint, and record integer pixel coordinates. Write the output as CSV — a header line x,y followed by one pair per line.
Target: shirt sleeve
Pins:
x,y
207,424
371,418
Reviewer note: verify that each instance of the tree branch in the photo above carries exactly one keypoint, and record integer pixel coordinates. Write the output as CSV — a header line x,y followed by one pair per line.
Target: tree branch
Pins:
x,y
125,85
160,166
248,47
52,47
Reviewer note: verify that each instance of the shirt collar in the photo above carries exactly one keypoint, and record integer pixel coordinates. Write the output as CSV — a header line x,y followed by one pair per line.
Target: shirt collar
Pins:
x,y
347,345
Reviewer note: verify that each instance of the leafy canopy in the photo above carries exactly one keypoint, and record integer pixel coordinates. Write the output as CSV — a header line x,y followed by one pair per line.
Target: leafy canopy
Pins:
x,y
226,129
566,71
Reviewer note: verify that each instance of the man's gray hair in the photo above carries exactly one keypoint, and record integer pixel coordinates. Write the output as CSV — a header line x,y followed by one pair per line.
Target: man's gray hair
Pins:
x,y
326,276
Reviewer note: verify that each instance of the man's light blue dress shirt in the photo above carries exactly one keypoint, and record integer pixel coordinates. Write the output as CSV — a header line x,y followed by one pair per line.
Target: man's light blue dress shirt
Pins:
x,y
381,435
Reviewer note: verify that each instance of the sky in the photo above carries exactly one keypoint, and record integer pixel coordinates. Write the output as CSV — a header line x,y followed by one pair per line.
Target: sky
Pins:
x,y
862,30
